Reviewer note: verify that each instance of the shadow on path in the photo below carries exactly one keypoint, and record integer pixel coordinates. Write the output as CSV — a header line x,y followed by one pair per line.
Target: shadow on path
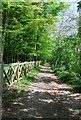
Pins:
x,y
47,97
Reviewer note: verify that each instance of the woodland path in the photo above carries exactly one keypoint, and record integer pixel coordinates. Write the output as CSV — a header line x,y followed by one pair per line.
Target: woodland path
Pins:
x,y
47,97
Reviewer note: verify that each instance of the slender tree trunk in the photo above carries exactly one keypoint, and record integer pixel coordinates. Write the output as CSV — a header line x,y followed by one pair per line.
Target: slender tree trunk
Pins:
x,y
1,63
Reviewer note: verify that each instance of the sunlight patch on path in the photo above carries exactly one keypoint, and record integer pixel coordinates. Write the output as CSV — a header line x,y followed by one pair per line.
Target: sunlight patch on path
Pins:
x,y
47,97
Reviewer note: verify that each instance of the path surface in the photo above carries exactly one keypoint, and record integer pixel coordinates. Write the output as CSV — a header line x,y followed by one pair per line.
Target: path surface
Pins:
x,y
47,97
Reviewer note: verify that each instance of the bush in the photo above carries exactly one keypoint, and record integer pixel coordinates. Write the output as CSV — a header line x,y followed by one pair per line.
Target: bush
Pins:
x,y
68,77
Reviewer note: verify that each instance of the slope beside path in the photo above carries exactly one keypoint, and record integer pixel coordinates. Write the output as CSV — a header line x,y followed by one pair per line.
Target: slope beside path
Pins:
x,y
47,97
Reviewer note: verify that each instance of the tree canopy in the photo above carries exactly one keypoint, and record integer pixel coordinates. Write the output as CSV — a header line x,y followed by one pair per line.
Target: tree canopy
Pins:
x,y
26,29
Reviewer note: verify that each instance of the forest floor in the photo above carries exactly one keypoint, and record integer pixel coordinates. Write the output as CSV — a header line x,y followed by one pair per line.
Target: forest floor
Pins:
x,y
47,97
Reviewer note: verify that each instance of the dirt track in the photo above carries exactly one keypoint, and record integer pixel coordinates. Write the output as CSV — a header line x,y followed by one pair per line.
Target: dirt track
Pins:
x,y
47,97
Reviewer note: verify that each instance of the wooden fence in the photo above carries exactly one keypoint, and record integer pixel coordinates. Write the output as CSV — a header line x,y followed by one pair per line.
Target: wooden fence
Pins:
x,y
15,71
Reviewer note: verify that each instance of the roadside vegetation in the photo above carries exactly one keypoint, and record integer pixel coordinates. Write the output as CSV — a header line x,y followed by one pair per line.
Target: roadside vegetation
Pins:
x,y
66,60
30,33
20,86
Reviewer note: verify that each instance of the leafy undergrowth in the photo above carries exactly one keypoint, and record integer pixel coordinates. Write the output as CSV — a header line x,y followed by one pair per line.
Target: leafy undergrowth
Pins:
x,y
70,78
21,85
10,97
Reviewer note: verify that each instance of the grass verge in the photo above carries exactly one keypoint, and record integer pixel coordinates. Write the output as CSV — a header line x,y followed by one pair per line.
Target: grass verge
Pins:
x,y
21,85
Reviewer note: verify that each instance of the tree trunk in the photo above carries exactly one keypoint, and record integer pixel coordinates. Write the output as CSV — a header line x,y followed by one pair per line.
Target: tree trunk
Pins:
x,y
1,65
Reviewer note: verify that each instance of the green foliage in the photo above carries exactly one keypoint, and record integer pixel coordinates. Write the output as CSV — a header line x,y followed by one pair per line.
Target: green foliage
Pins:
x,y
65,60
26,29
10,97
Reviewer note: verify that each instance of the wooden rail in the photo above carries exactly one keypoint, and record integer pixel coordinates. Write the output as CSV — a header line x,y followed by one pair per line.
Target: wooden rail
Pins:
x,y
16,70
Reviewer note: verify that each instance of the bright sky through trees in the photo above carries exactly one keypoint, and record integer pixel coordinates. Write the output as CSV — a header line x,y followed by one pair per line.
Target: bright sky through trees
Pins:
x,y
73,14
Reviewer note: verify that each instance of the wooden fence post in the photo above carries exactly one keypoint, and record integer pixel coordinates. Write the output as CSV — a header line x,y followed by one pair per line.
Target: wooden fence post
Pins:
x,y
27,67
17,72
33,64
38,63
25,71
21,74
11,74
30,66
